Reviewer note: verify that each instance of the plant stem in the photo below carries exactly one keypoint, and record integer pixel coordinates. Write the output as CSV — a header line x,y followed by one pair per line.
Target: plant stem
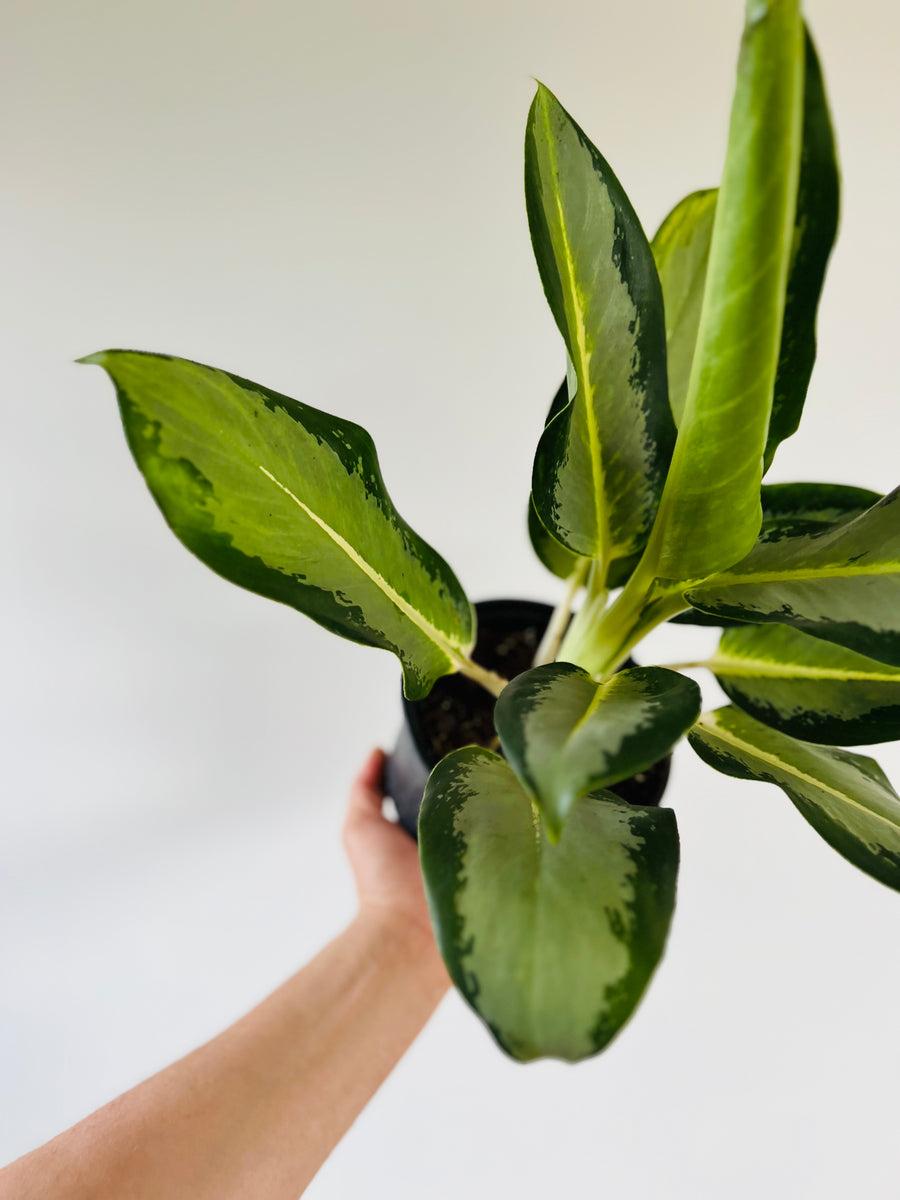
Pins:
x,y
643,603
590,613
489,680
550,642
686,666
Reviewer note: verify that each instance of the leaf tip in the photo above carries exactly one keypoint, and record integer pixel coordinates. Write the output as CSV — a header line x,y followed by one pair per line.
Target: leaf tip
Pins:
x,y
93,360
552,827
543,97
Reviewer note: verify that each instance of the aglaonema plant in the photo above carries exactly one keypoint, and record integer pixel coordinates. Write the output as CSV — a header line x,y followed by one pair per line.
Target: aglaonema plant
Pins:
x,y
688,362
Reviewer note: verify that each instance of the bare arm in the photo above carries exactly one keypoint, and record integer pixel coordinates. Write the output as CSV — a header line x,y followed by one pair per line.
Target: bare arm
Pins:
x,y
256,1111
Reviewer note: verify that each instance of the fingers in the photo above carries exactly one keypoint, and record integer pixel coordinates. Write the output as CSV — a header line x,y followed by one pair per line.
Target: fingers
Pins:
x,y
366,793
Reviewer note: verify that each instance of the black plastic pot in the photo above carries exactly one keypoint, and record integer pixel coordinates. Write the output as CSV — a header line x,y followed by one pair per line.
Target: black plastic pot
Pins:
x,y
459,712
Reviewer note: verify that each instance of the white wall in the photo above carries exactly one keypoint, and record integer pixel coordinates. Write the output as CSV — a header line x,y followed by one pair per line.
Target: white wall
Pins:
x,y
327,198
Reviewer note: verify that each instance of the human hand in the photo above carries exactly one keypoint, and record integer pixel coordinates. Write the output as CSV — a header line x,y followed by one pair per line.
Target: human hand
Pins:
x,y
385,862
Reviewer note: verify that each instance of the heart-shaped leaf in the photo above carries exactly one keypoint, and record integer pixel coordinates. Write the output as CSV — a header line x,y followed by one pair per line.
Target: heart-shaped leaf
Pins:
x,y
602,459
681,251
552,945
289,502
807,687
710,517
845,797
565,735
815,228
841,583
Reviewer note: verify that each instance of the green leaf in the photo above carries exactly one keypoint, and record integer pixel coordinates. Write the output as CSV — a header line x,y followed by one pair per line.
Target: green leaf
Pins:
x,y
563,563
553,554
709,517
552,945
845,797
693,616
841,583
808,688
565,735
815,228
681,251
289,502
792,508
602,459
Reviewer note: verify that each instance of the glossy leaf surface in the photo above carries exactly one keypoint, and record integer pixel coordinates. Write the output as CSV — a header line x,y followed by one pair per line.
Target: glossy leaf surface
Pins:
x,y
815,228
601,461
845,797
693,616
710,517
289,502
552,945
565,735
681,251
790,509
807,687
563,563
553,554
841,583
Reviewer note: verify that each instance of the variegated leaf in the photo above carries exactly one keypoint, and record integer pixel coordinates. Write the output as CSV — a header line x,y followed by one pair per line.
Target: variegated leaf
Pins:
x,y
565,735
552,945
841,583
602,459
845,797
553,554
807,687
563,563
790,509
289,502
709,517
681,251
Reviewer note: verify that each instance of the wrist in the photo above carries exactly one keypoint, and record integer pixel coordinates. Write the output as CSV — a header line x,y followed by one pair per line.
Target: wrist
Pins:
x,y
398,939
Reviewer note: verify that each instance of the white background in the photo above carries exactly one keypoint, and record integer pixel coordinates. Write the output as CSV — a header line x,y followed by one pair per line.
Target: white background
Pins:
x,y
327,198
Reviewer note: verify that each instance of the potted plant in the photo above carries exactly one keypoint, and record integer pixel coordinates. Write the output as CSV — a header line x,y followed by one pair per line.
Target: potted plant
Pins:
x,y
688,361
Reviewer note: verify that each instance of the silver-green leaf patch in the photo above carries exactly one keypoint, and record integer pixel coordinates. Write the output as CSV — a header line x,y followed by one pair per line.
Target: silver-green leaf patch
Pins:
x,y
845,797
602,459
565,735
289,502
552,945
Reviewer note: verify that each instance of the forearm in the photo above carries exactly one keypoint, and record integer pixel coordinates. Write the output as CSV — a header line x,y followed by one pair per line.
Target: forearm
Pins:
x,y
257,1110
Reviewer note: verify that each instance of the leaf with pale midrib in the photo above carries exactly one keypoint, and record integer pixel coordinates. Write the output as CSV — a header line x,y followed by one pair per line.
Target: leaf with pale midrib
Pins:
x,y
565,735
841,583
807,687
289,502
602,459
845,797
790,509
681,249
710,517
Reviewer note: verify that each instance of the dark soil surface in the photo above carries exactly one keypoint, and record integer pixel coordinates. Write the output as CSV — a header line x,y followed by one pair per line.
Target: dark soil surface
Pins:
x,y
459,712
